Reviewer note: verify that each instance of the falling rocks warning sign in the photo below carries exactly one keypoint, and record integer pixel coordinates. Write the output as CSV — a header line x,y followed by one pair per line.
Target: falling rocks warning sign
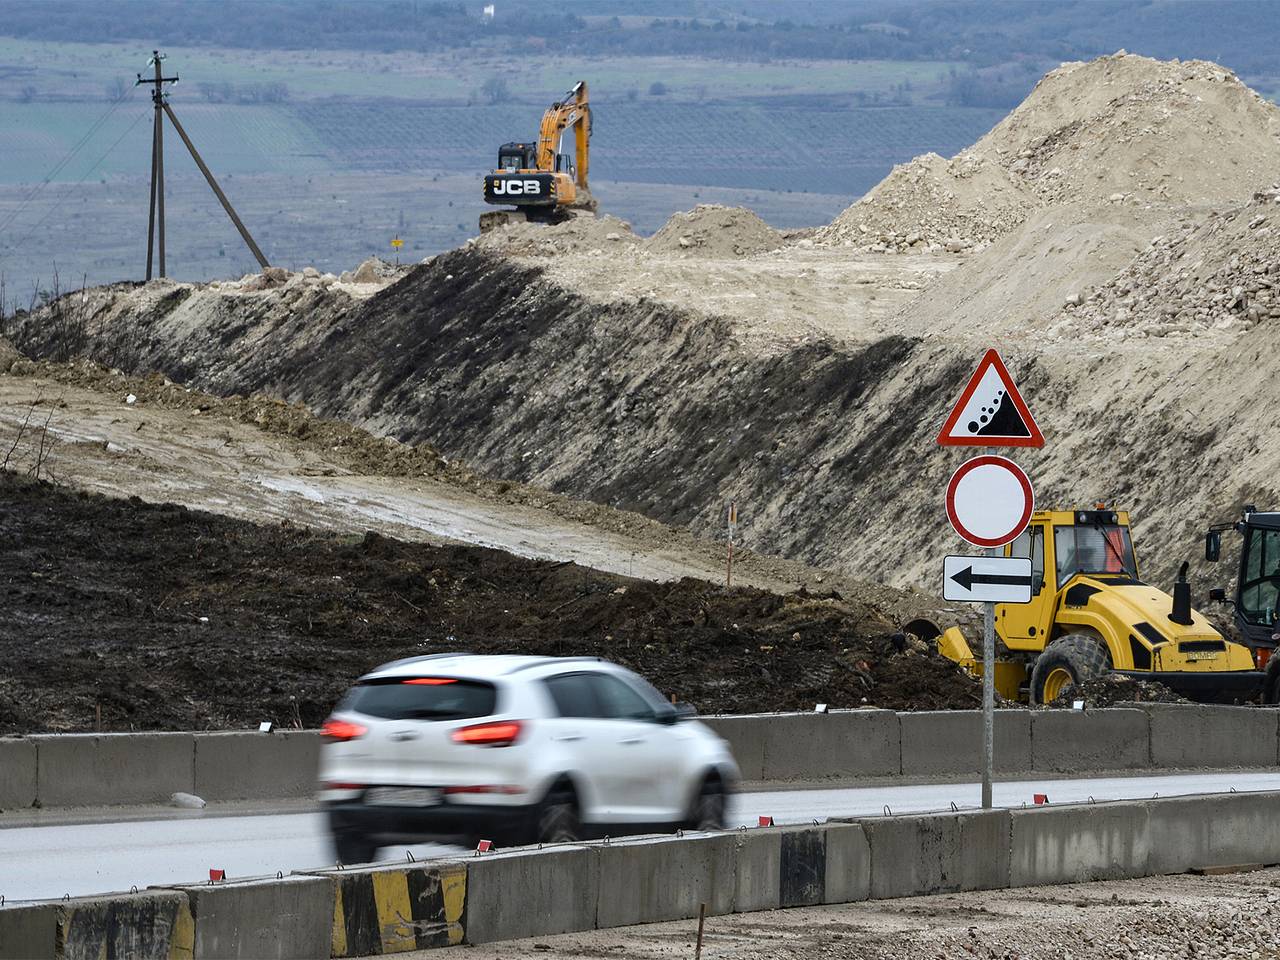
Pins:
x,y
990,411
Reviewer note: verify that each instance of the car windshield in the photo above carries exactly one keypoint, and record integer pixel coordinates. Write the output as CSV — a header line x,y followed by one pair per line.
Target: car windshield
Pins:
x,y
1260,577
421,698
1100,548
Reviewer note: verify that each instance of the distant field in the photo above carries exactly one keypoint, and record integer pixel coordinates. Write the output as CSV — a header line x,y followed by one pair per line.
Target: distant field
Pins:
x,y
83,71
330,221
362,146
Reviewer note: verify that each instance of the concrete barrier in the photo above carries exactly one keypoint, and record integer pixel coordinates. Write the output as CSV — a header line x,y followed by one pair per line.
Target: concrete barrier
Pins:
x,y
746,736
29,931
1212,831
288,918
848,878
665,878
1073,844
1184,736
949,743
410,906
757,869
106,769
840,744
76,770
153,923
251,766
528,893
1072,741
17,773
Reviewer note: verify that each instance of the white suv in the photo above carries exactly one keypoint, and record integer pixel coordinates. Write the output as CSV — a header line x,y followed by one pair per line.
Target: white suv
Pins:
x,y
515,750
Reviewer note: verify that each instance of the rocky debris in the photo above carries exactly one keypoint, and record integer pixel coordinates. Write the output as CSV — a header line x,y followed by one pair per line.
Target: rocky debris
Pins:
x,y
581,232
1112,689
933,205
1220,274
716,231
375,270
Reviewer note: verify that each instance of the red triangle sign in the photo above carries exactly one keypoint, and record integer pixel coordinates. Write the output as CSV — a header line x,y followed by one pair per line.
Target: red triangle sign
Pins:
x,y
991,411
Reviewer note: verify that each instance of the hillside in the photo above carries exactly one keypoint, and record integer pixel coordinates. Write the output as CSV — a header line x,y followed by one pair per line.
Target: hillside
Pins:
x,y
807,382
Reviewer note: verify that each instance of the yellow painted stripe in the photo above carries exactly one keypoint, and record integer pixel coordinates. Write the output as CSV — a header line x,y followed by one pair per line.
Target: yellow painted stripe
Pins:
x,y
339,940
453,888
182,938
395,915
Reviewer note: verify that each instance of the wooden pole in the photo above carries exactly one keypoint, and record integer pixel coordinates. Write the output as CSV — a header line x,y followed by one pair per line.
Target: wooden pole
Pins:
x,y
159,94
702,916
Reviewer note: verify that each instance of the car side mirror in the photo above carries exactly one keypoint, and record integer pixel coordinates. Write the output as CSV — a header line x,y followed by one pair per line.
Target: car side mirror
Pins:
x,y
1212,546
674,713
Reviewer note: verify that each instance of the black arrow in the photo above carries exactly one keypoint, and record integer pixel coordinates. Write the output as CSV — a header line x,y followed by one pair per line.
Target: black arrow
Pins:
x,y
967,578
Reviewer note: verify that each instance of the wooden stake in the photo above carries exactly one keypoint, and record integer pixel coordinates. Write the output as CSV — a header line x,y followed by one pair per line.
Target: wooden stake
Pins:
x,y
702,916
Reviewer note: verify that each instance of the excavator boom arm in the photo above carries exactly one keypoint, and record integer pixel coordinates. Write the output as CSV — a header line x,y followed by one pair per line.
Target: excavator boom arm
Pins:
x,y
573,111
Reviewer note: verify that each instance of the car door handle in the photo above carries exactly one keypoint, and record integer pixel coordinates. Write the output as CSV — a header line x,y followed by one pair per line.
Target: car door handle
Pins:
x,y
629,741
568,738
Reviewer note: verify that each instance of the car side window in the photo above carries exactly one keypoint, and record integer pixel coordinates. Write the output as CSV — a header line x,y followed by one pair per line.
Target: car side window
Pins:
x,y
618,701
573,695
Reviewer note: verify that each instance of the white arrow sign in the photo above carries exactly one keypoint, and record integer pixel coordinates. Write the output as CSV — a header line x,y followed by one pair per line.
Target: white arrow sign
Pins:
x,y
989,579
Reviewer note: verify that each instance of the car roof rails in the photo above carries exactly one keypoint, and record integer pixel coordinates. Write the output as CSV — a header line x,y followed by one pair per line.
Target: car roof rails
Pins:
x,y
543,661
426,656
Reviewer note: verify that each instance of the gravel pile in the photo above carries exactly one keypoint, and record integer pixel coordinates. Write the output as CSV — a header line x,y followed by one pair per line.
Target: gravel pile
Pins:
x,y
713,230
933,204
1221,274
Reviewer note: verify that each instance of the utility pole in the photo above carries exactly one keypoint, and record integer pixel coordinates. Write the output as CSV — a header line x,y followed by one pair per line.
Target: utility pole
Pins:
x,y
157,159
157,171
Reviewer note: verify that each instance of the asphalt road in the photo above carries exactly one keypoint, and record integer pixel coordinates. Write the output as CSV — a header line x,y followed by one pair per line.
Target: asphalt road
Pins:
x,y
43,862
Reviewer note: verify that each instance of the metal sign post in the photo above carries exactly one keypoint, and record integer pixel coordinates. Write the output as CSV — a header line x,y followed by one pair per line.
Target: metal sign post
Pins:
x,y
988,696
989,502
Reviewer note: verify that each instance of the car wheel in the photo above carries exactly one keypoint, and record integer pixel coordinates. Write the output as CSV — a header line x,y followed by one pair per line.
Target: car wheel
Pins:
x,y
710,808
558,817
354,848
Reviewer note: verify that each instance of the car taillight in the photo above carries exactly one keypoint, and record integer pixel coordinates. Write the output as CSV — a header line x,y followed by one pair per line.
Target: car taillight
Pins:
x,y
331,785
429,681
500,734
342,730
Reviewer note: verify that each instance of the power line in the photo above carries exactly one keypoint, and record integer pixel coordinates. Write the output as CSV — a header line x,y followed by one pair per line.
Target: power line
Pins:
x,y
88,173
61,164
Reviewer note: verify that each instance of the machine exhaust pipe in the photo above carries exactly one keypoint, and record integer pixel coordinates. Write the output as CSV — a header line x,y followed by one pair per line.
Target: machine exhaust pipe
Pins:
x,y
1181,612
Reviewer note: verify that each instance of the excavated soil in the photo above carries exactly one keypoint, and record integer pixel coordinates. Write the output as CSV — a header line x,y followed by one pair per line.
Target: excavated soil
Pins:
x,y
1106,238
168,618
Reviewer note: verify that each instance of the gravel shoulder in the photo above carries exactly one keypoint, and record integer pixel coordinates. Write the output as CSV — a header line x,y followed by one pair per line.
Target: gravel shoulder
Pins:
x,y
1157,918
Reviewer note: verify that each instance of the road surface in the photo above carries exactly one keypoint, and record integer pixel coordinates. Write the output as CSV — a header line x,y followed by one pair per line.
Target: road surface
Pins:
x,y
41,862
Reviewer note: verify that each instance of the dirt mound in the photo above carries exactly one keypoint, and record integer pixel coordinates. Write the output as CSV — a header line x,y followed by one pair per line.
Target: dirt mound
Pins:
x,y
581,232
176,619
1126,128
1110,690
1222,274
715,231
934,204
1122,129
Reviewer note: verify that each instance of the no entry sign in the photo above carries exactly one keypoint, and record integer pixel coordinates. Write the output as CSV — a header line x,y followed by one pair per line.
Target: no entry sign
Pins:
x,y
989,500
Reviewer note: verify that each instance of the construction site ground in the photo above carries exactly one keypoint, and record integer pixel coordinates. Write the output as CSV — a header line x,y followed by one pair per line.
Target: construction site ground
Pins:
x,y
326,551
1158,918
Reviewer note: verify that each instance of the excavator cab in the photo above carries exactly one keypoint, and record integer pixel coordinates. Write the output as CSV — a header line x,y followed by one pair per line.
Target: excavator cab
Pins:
x,y
515,157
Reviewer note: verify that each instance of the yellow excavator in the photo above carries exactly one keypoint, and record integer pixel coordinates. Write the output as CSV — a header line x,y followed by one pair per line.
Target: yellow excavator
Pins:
x,y
1090,613
542,183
